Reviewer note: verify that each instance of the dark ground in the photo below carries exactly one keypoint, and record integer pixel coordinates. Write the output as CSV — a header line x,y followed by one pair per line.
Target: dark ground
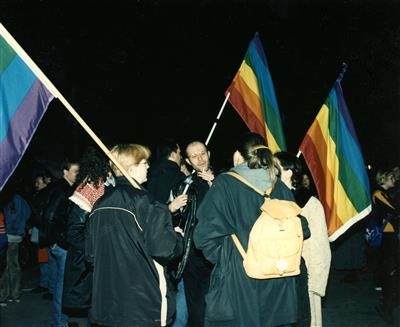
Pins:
x,y
345,304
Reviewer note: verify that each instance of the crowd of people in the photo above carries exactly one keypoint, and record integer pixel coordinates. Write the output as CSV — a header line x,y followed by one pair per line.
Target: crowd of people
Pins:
x,y
156,247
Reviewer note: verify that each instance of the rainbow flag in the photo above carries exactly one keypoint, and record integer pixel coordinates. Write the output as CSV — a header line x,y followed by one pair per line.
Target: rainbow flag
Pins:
x,y
23,102
332,153
252,94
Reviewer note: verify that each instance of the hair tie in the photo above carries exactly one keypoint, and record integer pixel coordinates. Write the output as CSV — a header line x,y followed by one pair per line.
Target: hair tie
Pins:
x,y
257,147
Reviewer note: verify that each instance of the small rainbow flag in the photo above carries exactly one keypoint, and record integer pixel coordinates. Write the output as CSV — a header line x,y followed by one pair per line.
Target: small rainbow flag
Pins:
x,y
332,153
252,94
23,102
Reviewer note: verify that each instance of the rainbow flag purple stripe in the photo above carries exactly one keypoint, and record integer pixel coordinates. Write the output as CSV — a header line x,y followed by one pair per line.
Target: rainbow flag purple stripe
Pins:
x,y
23,102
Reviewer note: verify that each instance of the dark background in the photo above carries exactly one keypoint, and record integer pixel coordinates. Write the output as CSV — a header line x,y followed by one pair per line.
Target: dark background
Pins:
x,y
137,71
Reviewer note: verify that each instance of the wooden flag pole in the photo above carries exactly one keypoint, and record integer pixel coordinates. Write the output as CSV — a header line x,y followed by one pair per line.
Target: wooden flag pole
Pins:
x,y
49,85
97,140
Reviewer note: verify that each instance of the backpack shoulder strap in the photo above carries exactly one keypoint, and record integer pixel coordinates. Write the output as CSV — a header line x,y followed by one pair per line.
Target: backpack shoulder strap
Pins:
x,y
238,245
246,182
264,194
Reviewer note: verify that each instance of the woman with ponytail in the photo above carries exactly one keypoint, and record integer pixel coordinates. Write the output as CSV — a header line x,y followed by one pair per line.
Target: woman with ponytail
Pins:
x,y
232,207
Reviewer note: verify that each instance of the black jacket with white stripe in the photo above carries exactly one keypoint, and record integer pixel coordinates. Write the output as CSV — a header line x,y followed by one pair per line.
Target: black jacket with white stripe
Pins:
x,y
129,241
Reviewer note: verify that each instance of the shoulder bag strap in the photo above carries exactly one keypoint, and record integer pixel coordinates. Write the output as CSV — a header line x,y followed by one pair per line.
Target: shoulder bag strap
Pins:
x,y
244,181
238,245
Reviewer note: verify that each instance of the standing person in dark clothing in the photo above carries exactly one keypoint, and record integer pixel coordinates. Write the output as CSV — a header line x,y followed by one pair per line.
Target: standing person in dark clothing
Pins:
x,y
383,210
164,175
37,206
130,240
231,207
196,274
77,290
53,233
385,259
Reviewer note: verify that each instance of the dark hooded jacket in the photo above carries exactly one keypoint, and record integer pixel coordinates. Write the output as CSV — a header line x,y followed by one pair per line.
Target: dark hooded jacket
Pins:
x,y
234,299
130,239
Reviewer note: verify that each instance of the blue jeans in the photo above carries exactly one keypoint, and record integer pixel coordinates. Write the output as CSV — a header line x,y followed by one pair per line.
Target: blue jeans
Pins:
x,y
59,255
181,318
51,272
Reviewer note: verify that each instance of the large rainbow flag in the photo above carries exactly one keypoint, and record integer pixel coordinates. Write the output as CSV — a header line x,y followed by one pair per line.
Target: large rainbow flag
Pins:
x,y
252,94
332,153
23,102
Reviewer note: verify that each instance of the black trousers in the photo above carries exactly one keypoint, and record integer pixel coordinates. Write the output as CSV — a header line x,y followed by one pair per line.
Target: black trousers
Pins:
x,y
196,278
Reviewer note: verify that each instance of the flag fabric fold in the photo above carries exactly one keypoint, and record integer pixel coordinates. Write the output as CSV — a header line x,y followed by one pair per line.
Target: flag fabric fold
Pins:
x,y
252,95
333,155
23,101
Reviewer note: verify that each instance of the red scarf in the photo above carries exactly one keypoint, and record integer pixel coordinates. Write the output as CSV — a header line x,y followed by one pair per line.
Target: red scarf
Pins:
x,y
86,195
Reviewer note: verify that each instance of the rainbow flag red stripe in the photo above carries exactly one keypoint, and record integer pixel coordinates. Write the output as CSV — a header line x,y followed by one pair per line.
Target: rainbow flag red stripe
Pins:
x,y
332,153
24,100
252,94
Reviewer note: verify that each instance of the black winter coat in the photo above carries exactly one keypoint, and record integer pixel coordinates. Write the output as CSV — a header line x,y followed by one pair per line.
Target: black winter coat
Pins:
x,y
38,205
54,217
77,289
234,299
163,176
130,239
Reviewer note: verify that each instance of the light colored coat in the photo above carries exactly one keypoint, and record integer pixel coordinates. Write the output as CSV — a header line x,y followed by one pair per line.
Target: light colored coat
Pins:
x,y
316,249
317,255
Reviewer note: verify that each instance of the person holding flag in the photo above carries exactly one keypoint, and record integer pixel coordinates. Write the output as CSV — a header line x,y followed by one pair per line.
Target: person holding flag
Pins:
x,y
130,241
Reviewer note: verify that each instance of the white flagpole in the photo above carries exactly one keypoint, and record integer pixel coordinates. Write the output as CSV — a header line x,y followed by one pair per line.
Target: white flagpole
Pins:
x,y
211,132
216,120
49,85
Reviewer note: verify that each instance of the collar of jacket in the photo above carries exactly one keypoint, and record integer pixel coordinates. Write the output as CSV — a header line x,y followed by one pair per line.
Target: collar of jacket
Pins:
x,y
258,177
122,180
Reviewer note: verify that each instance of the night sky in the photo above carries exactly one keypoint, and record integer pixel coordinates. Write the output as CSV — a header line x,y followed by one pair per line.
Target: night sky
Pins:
x,y
140,70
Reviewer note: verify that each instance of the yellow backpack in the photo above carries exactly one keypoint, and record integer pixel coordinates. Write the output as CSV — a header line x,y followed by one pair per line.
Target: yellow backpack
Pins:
x,y
275,240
